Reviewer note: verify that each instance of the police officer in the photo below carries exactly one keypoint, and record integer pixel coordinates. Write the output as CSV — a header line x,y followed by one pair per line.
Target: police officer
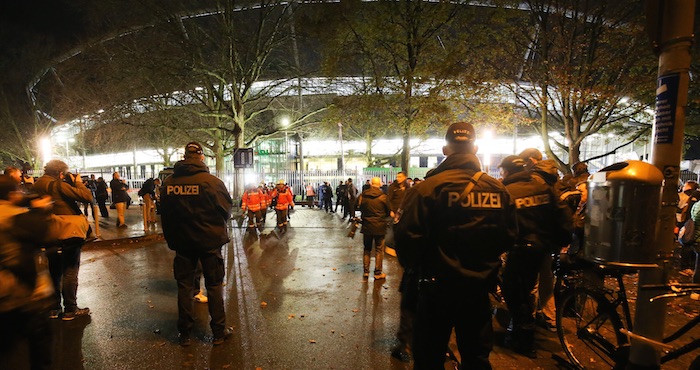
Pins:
x,y
544,222
195,209
545,172
452,229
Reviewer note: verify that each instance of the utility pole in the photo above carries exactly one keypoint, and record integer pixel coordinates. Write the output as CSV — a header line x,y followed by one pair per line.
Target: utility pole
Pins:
x,y
670,24
342,152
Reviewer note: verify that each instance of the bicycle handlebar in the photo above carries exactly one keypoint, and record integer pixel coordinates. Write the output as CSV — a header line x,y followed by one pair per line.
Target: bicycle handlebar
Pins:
x,y
677,290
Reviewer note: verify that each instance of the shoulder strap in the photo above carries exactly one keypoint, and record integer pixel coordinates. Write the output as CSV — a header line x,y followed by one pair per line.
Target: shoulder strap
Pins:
x,y
472,183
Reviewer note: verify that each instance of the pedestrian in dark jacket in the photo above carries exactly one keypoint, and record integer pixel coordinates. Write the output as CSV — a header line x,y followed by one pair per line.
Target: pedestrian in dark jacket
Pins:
x,y
374,209
351,199
340,197
544,226
148,193
396,191
408,287
196,207
327,197
453,228
120,197
101,196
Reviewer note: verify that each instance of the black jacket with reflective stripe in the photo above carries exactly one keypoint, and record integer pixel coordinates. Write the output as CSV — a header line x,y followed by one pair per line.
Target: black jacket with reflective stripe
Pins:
x,y
543,219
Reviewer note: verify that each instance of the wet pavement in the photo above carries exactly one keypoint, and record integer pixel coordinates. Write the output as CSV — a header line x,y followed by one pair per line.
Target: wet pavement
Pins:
x,y
298,302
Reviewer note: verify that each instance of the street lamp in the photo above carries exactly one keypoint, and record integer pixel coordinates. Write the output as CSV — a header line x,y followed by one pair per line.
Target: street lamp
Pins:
x,y
486,147
285,124
342,152
45,149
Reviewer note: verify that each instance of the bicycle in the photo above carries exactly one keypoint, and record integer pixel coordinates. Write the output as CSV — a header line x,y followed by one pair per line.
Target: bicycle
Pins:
x,y
594,324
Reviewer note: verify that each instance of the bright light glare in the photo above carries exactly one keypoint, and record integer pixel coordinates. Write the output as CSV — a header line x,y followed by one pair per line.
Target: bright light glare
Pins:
x,y
251,179
45,149
486,147
285,122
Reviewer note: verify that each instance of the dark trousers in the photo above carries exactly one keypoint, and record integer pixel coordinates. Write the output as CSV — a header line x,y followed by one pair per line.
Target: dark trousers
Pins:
x,y
64,266
408,306
104,212
349,208
376,241
197,287
339,202
32,326
184,267
281,217
328,204
519,279
255,219
442,306
688,256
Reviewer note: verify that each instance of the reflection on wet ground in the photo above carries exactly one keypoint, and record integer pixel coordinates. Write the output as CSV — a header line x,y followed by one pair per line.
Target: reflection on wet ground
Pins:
x,y
296,300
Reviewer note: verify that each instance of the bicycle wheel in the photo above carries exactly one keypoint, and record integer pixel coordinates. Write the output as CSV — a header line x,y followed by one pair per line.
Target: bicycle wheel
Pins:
x,y
589,330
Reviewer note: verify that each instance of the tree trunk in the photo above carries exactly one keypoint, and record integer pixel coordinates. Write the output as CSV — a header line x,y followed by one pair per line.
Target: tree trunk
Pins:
x,y
368,150
406,152
219,156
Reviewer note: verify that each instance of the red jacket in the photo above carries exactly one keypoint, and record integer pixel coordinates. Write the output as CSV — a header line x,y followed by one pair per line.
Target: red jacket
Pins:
x,y
284,198
253,200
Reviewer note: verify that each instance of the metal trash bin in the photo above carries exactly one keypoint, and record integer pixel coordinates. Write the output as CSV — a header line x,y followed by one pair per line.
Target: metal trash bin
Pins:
x,y
622,213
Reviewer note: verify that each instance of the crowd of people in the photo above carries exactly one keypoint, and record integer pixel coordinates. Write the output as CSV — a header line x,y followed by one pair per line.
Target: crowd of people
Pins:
x,y
453,232
459,235
42,232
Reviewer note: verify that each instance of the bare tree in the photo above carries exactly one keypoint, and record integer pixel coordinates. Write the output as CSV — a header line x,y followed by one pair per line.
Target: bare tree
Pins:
x,y
580,68
409,52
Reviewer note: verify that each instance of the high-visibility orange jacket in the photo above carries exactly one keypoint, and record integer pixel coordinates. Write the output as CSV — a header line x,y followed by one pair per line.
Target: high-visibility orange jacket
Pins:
x,y
284,198
253,200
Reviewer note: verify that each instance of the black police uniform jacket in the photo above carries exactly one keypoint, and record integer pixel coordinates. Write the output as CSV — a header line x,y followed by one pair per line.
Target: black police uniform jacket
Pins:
x,y
195,207
446,237
396,193
544,221
546,172
374,207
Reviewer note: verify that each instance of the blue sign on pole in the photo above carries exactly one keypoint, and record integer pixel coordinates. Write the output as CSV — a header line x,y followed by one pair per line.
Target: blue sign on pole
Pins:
x,y
243,158
666,99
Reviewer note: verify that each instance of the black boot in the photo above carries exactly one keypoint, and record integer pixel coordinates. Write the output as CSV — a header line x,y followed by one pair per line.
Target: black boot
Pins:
x,y
522,341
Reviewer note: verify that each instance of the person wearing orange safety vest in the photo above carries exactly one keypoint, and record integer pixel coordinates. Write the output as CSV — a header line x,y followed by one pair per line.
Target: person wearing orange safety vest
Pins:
x,y
285,199
268,201
254,202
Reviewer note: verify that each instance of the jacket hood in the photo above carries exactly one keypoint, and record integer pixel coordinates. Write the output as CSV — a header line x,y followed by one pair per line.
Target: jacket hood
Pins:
x,y
547,169
457,161
189,167
372,192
